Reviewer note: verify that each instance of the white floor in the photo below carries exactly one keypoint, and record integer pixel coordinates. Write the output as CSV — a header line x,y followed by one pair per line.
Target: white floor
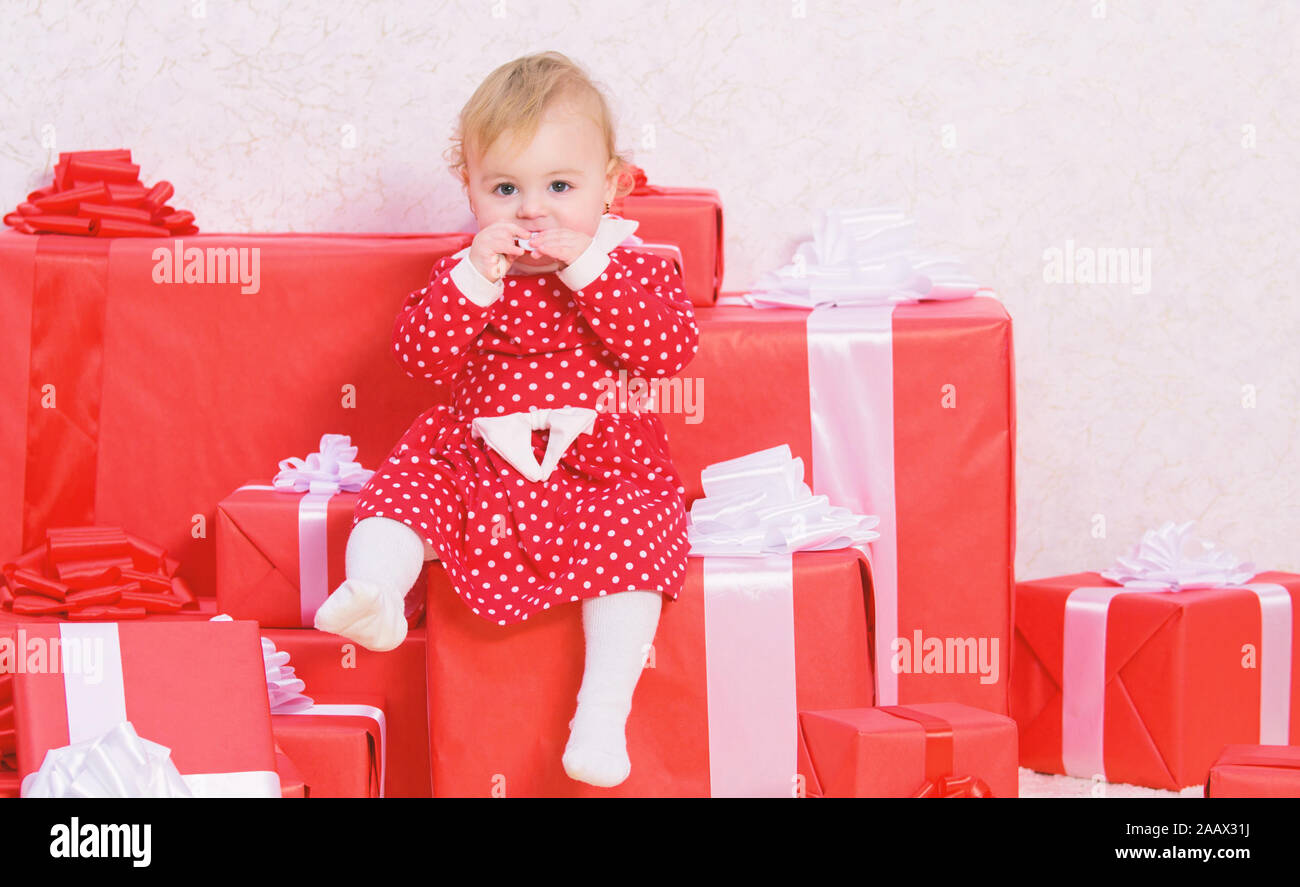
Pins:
x,y
1046,785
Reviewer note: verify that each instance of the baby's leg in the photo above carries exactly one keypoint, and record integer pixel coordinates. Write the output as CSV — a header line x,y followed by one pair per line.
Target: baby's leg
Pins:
x,y
619,629
383,560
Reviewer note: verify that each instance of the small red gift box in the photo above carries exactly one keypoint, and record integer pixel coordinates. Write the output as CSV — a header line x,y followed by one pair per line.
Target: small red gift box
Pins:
x,y
747,644
334,668
691,219
198,688
338,747
264,536
1158,682
937,749
1255,771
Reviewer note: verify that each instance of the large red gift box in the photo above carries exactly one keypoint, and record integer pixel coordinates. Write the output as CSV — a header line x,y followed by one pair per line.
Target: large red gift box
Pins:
x,y
1255,771
263,533
940,749
198,688
907,413
500,699
337,747
1178,676
141,404
689,218
340,671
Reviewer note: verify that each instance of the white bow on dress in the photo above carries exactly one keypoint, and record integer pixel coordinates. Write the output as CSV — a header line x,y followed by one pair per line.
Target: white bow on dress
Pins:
x,y
512,436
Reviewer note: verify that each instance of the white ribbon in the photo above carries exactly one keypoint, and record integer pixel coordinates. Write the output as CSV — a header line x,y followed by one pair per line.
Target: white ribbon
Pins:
x,y
1160,564
861,257
330,470
750,676
96,709
511,436
758,504
115,764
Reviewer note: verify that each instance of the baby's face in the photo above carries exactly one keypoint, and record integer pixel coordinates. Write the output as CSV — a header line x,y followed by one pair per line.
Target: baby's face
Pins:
x,y
561,179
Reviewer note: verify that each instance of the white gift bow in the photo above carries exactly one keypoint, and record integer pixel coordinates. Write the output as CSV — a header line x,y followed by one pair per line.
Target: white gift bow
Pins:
x,y
330,470
861,257
511,436
758,504
115,764
1159,560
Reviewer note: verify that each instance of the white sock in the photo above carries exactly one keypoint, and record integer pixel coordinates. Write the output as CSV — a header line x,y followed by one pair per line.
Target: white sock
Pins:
x,y
383,560
619,629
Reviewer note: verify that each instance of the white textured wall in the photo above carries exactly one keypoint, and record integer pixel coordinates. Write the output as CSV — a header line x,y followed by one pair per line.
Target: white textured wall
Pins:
x,y
1005,128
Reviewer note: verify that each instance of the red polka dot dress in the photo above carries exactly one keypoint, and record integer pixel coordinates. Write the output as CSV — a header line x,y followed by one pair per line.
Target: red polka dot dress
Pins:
x,y
611,516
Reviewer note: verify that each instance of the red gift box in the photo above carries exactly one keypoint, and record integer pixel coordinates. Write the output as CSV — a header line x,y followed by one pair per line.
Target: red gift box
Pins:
x,y
690,218
334,668
1255,771
198,688
262,534
161,398
291,781
715,710
941,478
939,749
1179,675
338,747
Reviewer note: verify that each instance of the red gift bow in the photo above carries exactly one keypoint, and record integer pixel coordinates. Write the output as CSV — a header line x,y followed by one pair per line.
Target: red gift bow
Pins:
x,y
939,779
99,194
93,573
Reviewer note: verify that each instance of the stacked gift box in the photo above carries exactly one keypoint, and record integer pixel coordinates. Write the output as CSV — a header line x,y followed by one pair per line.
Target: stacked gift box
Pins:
x,y
889,667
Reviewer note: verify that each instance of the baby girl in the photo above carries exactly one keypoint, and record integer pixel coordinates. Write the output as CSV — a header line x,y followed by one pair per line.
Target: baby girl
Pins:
x,y
529,496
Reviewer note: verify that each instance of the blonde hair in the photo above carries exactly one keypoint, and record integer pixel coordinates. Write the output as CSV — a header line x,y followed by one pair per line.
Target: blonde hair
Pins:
x,y
516,95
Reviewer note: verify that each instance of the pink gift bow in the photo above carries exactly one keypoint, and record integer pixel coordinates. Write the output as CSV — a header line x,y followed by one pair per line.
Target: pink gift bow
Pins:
x,y
758,504
511,436
285,691
861,257
330,470
115,764
1159,564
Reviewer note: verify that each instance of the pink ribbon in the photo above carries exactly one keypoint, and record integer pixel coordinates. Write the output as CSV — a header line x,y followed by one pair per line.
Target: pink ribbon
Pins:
x,y
750,676
851,402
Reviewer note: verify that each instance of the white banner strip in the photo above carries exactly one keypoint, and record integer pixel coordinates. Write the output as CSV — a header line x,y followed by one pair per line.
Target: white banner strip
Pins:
x,y
240,784
851,399
750,676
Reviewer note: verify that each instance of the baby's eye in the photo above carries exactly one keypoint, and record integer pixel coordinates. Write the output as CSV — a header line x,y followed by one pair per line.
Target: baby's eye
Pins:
x,y
566,185
504,185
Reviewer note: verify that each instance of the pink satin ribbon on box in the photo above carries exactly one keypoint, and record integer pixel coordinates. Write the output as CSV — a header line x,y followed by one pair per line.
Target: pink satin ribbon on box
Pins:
x,y
96,708
1160,566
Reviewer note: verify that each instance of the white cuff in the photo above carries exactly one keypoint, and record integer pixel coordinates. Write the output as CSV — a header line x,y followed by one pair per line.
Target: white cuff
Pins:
x,y
586,268
474,286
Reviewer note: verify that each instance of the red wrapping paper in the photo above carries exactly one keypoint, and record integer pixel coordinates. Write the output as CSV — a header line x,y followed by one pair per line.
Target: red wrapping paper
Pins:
x,y
291,781
489,686
870,753
198,688
1176,689
335,669
690,218
953,468
1255,771
258,574
122,445
338,755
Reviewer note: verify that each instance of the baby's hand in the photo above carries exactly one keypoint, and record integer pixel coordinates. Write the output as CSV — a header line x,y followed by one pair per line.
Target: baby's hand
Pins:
x,y
494,248
560,243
